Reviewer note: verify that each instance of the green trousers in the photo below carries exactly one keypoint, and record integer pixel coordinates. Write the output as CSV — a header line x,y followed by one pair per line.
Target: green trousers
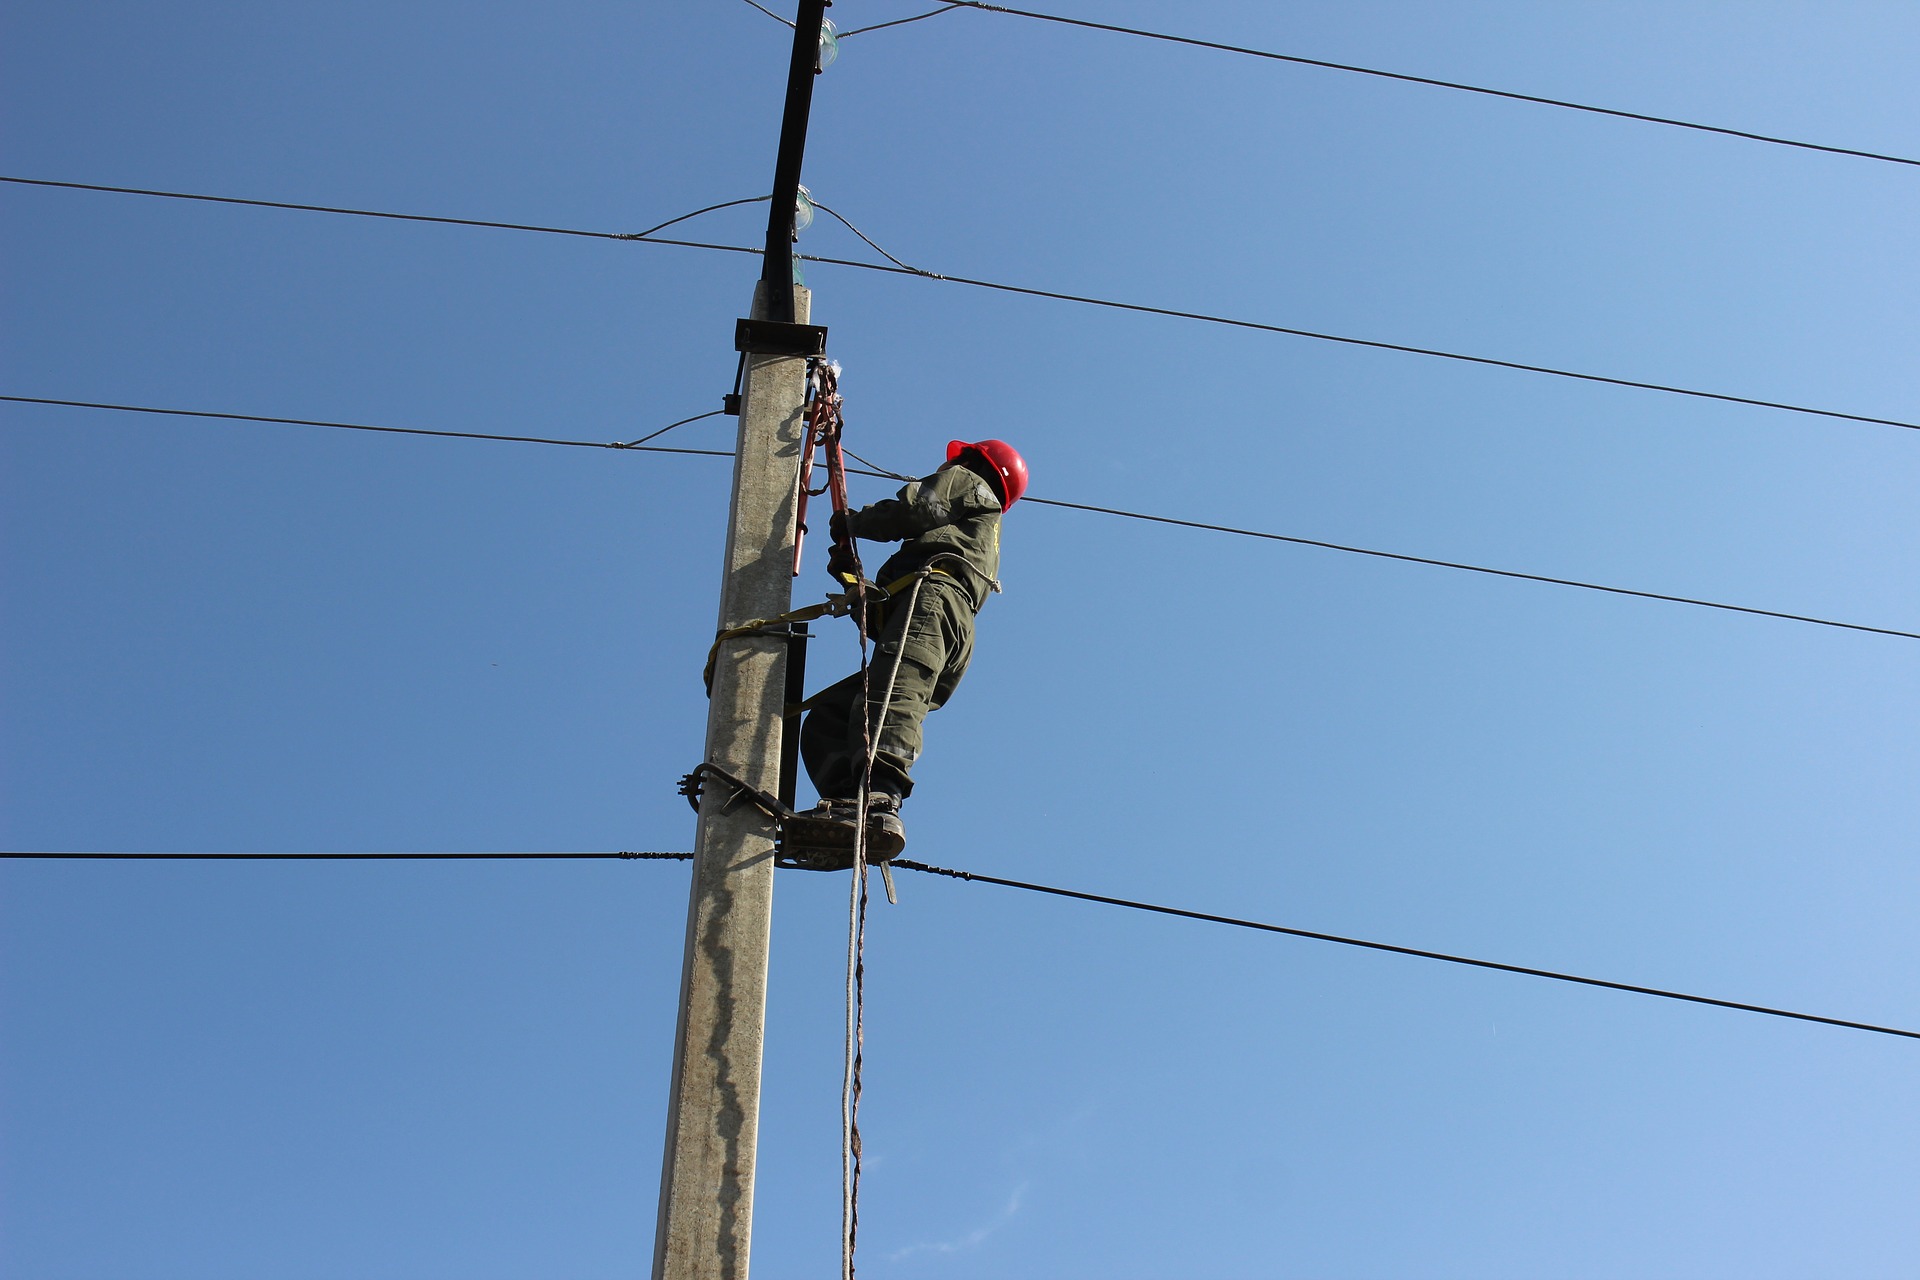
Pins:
x,y
926,649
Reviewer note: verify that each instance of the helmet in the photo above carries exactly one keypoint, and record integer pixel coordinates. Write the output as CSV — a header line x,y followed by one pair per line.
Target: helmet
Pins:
x,y
1003,458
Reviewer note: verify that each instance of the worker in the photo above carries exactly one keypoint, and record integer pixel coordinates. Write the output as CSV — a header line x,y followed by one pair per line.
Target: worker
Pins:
x,y
949,524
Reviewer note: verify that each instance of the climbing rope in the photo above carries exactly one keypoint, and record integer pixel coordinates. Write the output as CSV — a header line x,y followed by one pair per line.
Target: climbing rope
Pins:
x,y
824,425
871,728
856,1043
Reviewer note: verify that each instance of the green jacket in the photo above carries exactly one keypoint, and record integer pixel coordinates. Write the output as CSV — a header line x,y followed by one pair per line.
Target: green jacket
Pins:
x,y
952,512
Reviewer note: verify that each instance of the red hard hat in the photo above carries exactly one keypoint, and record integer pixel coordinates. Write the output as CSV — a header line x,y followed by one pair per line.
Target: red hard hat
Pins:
x,y
1003,458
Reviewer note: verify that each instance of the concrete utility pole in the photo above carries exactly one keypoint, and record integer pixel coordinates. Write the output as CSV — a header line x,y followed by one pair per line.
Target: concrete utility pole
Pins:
x,y
706,1184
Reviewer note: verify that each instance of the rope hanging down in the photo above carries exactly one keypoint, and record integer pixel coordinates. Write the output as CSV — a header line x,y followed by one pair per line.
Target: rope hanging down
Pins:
x,y
825,423
825,426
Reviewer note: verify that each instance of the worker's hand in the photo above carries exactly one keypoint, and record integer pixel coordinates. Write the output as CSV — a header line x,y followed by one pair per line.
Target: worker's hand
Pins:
x,y
842,563
837,526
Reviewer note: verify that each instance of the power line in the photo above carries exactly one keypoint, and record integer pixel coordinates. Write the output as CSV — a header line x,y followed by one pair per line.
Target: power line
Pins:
x,y
770,13
645,236
1474,568
1082,299
883,474
655,435
629,856
982,878
900,22
724,204
1417,952
402,431
1374,343
1428,80
878,26
878,472
841,218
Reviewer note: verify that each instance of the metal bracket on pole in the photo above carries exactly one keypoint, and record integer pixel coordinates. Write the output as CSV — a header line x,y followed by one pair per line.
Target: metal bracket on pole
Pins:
x,y
796,693
775,338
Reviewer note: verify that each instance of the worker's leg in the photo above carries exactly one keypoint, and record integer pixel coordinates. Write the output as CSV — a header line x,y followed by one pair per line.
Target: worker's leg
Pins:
x,y
926,651
830,740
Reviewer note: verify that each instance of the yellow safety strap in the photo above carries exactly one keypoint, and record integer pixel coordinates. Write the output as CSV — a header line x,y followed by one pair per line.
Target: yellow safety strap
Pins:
x,y
759,626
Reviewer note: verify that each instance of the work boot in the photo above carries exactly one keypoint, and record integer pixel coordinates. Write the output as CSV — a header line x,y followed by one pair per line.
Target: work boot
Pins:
x,y
886,834
820,838
830,809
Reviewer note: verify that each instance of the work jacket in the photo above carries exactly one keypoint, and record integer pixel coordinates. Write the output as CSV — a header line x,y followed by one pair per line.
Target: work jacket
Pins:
x,y
951,513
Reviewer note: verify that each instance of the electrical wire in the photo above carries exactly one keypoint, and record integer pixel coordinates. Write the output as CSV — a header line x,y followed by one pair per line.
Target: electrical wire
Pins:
x,y
883,474
1474,568
1053,890
655,435
900,22
403,431
645,236
870,244
1376,344
724,204
878,472
899,268
1419,953
770,13
1428,80
627,855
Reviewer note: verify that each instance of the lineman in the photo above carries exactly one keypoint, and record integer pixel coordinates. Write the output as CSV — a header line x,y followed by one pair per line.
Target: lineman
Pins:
x,y
949,524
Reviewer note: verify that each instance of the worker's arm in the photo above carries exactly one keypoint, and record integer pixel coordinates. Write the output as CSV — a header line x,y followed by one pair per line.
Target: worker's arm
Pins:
x,y
947,496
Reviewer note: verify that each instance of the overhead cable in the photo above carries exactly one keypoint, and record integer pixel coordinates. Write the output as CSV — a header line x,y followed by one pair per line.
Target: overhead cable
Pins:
x,y
401,431
770,13
841,218
1053,890
1474,568
655,435
901,22
646,236
1374,343
1086,300
883,474
1272,56
1420,953
724,204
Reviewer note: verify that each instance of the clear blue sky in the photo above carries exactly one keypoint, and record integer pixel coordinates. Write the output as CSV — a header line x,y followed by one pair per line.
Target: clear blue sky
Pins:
x,y
223,637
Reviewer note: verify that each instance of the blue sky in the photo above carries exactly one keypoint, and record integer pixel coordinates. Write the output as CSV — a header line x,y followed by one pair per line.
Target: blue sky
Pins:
x,y
231,637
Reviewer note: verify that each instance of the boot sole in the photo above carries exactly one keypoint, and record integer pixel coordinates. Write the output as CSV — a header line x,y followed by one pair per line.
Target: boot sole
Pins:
x,y
810,837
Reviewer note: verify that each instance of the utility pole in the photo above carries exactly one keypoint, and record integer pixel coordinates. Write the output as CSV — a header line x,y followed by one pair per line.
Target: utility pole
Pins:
x,y
713,1115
